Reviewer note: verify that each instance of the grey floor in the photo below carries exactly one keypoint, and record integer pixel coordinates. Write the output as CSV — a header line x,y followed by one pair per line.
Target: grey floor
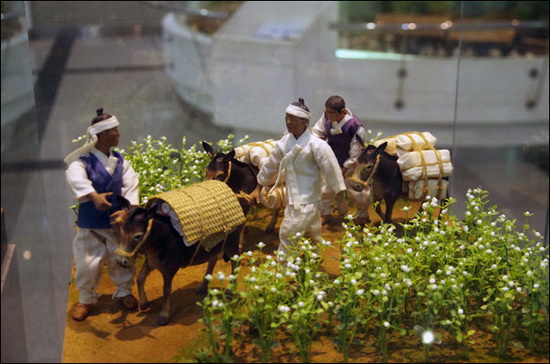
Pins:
x,y
124,74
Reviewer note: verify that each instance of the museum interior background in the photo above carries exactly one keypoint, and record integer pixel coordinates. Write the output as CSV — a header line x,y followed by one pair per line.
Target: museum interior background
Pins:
x,y
475,74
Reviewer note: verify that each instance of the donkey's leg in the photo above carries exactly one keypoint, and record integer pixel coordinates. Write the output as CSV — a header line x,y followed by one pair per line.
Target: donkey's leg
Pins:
x,y
203,288
166,291
390,202
274,216
142,277
378,209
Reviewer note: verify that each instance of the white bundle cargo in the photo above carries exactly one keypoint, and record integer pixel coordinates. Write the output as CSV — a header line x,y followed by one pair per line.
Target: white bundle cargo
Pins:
x,y
418,190
425,164
253,153
409,141
273,198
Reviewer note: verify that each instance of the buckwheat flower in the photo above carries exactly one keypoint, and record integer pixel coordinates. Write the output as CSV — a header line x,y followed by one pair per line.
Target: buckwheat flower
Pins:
x,y
489,251
215,303
529,273
428,337
511,283
383,275
208,277
336,281
256,287
284,309
215,291
348,266
536,285
518,289
273,263
221,276
384,292
249,253
425,243
432,280
376,292
505,277
298,234
386,324
387,286
353,281
300,304
466,228
468,213
494,266
504,289
311,281
231,277
460,311
253,269
405,268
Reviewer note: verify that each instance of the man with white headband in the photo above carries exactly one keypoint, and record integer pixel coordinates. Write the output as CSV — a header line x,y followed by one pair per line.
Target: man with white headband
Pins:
x,y
345,134
303,158
96,175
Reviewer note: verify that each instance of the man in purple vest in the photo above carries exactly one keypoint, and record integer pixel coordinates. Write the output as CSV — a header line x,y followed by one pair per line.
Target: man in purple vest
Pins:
x,y
96,175
346,135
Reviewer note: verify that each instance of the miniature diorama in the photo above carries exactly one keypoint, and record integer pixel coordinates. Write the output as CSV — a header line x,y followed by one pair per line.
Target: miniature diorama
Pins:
x,y
415,283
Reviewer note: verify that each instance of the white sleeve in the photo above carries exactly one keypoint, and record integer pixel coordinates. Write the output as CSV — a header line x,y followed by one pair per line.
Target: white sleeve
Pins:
x,y
267,176
130,183
78,180
319,128
327,162
355,148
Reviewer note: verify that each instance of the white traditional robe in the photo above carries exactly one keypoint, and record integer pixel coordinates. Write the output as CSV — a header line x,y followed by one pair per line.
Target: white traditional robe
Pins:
x,y
304,161
89,252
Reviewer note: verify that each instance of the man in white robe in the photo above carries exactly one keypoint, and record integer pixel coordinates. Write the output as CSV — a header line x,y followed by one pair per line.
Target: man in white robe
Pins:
x,y
305,160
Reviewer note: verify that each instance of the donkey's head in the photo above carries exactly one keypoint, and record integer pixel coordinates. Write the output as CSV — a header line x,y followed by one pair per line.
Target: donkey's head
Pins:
x,y
133,232
219,166
366,166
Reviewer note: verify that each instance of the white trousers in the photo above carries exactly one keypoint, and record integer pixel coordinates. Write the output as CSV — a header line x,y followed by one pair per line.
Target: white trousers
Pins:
x,y
90,255
305,219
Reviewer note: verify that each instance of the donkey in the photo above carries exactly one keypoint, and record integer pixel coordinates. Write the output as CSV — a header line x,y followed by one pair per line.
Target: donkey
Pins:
x,y
226,168
146,230
379,169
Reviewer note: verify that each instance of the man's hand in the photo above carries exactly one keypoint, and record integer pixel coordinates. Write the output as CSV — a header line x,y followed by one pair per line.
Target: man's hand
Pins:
x,y
118,218
100,200
256,195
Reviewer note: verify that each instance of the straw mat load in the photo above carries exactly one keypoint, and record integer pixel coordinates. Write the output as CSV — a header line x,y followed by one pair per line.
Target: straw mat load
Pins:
x,y
207,211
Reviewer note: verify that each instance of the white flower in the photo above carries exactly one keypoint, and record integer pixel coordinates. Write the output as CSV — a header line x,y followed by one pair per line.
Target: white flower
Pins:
x,y
353,281
460,311
386,324
360,292
494,266
427,337
405,268
504,289
300,304
284,309
376,292
208,277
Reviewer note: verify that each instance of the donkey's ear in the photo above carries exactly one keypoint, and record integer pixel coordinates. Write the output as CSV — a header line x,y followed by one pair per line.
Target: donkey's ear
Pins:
x,y
124,203
230,155
381,148
208,149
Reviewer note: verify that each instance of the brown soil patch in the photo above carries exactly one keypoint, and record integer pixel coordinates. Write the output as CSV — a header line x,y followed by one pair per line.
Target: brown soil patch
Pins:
x,y
111,334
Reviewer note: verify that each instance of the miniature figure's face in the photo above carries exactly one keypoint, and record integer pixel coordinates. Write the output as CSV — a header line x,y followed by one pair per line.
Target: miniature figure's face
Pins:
x,y
334,115
111,136
295,125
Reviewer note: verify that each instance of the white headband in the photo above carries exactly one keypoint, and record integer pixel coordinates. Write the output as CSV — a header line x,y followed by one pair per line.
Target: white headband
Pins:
x,y
298,112
91,141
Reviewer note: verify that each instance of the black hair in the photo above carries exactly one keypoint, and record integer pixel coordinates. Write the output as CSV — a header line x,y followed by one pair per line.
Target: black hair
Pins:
x,y
100,116
301,104
335,102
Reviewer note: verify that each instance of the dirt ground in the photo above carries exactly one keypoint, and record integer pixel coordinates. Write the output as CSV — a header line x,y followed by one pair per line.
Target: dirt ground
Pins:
x,y
113,335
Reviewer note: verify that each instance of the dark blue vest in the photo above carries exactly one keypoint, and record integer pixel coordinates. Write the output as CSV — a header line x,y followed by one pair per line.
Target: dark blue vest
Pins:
x,y
340,142
89,216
